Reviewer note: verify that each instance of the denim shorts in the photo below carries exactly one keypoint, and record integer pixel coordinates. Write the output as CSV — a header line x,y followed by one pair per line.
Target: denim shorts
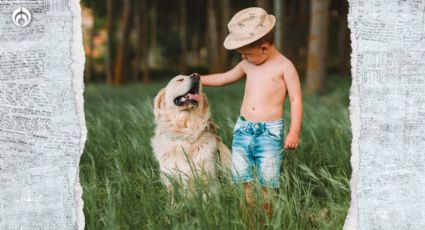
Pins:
x,y
257,146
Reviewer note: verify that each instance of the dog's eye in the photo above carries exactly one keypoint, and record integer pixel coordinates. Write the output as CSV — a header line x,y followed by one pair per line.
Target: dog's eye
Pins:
x,y
181,79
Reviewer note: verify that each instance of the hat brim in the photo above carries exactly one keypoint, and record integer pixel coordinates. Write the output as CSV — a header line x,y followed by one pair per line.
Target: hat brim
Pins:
x,y
230,43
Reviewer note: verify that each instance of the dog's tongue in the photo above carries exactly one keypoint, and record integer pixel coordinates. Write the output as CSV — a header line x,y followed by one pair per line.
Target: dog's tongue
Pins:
x,y
196,97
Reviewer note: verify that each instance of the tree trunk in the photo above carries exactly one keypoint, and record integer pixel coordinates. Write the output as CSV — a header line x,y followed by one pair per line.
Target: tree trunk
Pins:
x,y
344,41
295,43
144,39
109,68
225,7
89,65
265,4
317,47
122,51
153,51
302,32
142,49
139,37
278,12
290,35
213,54
183,37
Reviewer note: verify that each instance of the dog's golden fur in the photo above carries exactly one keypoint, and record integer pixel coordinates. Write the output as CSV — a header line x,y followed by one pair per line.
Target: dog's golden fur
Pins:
x,y
185,140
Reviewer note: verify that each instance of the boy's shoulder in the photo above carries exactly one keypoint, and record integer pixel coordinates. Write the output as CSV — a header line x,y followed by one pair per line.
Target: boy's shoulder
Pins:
x,y
243,63
281,62
285,63
284,60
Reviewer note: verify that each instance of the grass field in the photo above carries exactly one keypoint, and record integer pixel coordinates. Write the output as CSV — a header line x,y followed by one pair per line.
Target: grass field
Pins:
x,y
120,177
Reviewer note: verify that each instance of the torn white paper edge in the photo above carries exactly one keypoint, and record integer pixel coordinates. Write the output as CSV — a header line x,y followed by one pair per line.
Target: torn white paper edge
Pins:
x,y
387,111
77,67
42,124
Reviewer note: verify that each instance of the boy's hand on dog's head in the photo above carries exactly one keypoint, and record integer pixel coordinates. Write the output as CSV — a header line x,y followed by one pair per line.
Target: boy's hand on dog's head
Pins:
x,y
291,141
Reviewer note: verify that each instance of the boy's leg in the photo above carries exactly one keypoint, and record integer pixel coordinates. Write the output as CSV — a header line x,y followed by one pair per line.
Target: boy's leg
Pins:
x,y
242,164
248,215
267,205
249,197
248,194
269,157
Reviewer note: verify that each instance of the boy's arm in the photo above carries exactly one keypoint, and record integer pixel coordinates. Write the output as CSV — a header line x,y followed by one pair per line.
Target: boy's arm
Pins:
x,y
220,79
292,81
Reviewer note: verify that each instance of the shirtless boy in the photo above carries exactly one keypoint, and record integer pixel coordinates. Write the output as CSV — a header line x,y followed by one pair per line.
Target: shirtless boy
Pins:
x,y
258,134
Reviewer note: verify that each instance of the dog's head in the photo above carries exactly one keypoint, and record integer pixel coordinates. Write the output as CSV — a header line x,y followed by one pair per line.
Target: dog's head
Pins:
x,y
182,93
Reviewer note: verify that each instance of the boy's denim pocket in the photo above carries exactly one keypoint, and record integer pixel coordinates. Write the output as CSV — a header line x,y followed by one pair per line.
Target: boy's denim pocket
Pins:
x,y
275,131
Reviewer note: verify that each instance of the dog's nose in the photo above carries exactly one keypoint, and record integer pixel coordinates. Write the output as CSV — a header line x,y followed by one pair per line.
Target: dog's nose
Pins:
x,y
195,76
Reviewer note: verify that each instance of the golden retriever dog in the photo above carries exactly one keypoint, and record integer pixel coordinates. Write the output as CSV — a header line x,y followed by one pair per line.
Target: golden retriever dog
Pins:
x,y
185,142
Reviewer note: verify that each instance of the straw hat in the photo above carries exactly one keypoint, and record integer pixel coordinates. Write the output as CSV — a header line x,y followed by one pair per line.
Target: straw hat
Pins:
x,y
247,26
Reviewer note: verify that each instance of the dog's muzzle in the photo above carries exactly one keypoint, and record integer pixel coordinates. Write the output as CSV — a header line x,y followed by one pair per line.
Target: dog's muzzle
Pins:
x,y
192,96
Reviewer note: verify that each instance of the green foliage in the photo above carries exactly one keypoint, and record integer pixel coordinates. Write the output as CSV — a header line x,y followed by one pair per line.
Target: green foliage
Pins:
x,y
122,188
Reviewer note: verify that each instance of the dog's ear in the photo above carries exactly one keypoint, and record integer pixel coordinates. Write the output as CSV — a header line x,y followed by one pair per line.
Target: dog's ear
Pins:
x,y
159,104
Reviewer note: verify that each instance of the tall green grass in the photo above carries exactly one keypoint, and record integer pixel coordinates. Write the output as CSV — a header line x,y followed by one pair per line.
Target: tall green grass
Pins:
x,y
122,188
